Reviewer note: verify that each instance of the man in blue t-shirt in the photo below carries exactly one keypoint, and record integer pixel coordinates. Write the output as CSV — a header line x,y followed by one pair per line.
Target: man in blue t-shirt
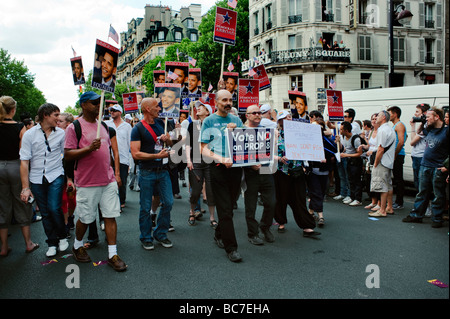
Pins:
x,y
432,179
225,179
148,147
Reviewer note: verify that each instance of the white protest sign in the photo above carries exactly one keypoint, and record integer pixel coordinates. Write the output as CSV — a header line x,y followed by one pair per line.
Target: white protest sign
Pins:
x,y
303,141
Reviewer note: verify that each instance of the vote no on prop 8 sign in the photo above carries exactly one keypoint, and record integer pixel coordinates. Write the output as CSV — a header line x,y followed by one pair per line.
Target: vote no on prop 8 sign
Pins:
x,y
251,146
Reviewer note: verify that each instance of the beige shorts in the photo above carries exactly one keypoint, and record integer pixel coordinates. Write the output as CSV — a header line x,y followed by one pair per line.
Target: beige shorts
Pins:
x,y
381,179
89,199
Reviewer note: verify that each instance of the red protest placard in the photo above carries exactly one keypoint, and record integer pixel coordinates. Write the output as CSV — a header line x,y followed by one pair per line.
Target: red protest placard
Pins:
x,y
130,102
248,93
335,105
209,98
225,26
261,75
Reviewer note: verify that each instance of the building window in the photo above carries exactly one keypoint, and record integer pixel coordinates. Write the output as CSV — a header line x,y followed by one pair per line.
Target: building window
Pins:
x,y
327,79
364,48
365,80
297,81
269,17
291,42
161,51
177,36
295,7
399,49
194,37
190,23
429,58
429,21
327,11
161,36
256,19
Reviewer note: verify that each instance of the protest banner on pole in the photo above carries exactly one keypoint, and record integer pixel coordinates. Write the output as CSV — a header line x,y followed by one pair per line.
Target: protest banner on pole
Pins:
x,y
195,83
231,83
303,141
335,106
77,70
104,73
177,72
130,102
261,75
248,93
168,96
251,145
225,26
159,76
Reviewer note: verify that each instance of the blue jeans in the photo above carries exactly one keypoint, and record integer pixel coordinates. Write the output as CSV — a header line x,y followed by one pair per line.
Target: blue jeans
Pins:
x,y
48,198
416,168
432,181
342,169
148,182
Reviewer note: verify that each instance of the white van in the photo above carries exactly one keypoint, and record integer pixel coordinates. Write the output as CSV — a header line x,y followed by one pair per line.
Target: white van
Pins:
x,y
370,101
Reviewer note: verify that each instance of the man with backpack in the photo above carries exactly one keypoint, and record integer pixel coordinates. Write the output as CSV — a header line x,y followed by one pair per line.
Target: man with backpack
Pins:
x,y
96,183
352,152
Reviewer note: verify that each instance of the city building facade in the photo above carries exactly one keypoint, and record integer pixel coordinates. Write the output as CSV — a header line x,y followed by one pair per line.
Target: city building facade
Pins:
x,y
305,44
149,37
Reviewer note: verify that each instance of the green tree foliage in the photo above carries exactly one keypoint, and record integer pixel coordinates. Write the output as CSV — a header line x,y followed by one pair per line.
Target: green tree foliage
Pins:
x,y
207,52
17,82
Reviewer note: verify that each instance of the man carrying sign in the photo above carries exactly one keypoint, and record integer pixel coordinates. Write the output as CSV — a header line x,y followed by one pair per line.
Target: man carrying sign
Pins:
x,y
225,180
262,183
97,185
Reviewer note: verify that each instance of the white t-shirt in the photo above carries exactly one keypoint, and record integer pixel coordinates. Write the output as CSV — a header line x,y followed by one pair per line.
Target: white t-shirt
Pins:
x,y
386,137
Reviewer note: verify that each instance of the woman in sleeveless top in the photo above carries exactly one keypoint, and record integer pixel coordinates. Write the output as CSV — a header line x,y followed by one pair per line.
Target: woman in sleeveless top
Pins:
x,y
11,134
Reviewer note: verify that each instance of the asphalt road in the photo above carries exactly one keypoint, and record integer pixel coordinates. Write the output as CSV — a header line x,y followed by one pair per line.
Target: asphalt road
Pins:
x,y
351,251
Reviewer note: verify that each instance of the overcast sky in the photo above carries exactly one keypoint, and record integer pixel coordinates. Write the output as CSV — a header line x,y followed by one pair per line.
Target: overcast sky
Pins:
x,y
41,33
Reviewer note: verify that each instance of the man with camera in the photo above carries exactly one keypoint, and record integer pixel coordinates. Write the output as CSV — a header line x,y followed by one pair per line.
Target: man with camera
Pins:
x,y
418,143
432,178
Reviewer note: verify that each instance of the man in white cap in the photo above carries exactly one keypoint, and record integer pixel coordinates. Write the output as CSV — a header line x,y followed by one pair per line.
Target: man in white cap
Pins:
x,y
268,116
123,134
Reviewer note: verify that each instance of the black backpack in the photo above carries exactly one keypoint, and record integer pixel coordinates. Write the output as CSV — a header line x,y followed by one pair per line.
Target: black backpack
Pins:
x,y
363,141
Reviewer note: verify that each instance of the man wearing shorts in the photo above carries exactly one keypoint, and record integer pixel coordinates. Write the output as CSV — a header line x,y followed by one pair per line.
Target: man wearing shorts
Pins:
x,y
94,178
381,180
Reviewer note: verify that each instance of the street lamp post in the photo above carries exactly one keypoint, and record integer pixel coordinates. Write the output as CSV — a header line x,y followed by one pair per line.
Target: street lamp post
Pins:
x,y
401,16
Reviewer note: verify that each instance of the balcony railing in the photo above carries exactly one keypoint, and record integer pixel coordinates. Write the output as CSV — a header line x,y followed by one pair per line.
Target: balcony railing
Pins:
x,y
429,59
295,19
429,24
329,17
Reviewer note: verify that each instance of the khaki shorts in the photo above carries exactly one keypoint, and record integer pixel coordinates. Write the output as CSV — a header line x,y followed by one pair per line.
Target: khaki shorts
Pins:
x,y
89,199
381,179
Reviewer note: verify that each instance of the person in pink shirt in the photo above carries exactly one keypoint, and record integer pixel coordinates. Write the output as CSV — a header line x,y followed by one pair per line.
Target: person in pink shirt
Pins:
x,y
96,183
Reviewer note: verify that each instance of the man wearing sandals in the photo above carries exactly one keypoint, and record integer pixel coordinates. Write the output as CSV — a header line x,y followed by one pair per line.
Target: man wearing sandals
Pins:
x,y
381,181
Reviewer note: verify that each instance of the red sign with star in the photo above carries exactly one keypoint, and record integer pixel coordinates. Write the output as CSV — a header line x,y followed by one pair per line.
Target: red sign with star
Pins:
x,y
335,105
225,26
248,93
130,102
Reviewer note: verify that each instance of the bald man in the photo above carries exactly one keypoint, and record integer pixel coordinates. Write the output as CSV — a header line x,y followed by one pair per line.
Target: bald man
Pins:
x,y
225,179
148,146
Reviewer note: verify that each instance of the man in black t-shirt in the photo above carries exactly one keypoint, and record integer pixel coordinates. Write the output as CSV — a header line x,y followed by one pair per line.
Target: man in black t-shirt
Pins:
x,y
148,141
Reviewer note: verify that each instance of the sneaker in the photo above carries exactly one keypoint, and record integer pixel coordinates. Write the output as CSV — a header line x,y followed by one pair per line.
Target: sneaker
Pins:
x,y
255,240
148,245
63,244
166,243
171,228
338,197
81,255
117,264
355,203
268,236
347,200
51,251
410,219
397,206
234,256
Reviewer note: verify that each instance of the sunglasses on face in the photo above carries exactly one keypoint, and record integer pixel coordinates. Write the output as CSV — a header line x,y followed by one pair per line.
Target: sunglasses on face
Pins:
x,y
255,113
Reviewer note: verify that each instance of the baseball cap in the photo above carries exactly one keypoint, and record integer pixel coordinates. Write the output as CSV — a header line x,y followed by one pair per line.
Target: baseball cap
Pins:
x,y
89,96
128,117
282,114
116,107
208,107
265,108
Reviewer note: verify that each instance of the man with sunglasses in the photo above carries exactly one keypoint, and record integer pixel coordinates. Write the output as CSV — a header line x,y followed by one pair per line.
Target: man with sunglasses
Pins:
x,y
42,174
95,179
262,183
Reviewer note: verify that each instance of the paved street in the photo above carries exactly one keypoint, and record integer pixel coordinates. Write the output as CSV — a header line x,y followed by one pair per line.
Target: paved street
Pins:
x,y
293,267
